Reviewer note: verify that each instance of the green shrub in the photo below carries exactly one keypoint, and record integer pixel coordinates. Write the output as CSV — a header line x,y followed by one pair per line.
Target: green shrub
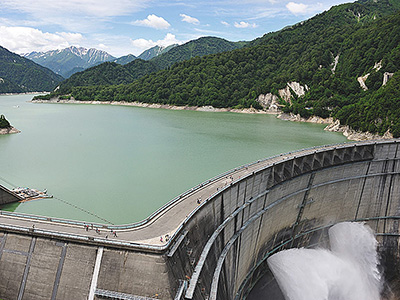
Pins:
x,y
3,122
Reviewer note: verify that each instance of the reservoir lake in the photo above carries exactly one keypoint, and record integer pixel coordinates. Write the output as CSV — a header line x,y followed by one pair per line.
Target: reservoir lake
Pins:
x,y
121,163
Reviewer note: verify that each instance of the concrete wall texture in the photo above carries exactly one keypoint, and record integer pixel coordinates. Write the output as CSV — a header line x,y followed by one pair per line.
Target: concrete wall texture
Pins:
x,y
7,197
220,251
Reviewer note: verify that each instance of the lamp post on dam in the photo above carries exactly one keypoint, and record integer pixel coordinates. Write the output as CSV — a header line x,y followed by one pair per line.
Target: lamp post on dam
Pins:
x,y
212,241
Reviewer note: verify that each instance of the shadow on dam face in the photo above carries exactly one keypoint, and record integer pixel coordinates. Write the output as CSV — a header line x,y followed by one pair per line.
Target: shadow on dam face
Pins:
x,y
267,288
292,205
220,250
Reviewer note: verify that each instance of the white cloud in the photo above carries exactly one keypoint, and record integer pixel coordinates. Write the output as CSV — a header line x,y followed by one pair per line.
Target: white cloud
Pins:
x,y
297,8
243,24
142,44
96,8
259,1
225,23
26,39
153,21
207,32
102,46
268,12
73,38
71,15
115,44
189,19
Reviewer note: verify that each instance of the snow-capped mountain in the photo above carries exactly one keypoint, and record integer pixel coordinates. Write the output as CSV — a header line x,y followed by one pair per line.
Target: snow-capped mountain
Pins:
x,y
155,51
65,61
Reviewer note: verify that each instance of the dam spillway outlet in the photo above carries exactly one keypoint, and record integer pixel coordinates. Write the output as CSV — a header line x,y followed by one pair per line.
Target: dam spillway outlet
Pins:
x,y
348,270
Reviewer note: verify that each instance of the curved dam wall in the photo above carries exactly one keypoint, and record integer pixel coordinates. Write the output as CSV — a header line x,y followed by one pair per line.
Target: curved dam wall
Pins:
x,y
288,204
219,251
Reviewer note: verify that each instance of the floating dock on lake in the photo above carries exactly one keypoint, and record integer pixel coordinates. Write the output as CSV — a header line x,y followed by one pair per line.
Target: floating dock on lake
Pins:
x,y
28,194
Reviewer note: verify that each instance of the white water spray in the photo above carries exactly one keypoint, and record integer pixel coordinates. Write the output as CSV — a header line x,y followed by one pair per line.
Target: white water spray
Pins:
x,y
349,271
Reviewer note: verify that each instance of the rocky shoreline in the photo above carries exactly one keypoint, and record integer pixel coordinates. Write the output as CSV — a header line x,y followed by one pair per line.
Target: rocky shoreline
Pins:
x,y
354,135
9,130
335,126
155,105
332,125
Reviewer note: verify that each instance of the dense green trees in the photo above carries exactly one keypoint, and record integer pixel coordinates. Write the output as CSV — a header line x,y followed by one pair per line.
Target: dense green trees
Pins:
x,y
361,34
18,74
376,111
3,122
109,73
113,73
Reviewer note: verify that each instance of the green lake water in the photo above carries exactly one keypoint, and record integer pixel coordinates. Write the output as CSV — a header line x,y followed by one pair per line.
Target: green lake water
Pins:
x,y
122,163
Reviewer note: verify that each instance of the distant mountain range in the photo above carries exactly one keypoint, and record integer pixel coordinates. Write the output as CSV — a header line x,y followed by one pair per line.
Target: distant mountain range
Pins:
x,y
18,74
113,73
74,59
145,55
71,60
95,67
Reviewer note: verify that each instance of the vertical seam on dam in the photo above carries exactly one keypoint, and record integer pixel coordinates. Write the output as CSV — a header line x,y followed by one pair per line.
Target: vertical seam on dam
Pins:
x,y
258,234
302,205
96,272
26,271
390,188
244,201
362,190
383,182
236,250
257,239
59,270
2,244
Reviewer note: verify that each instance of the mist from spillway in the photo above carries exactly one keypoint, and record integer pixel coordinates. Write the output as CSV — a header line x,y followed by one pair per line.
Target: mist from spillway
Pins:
x,y
348,271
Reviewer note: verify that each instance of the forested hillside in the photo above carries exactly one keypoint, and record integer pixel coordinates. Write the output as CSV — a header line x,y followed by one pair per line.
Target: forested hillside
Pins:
x,y
109,73
125,59
18,74
3,122
327,55
196,48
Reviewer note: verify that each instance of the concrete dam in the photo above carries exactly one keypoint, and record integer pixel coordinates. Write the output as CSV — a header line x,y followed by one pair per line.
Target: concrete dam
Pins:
x,y
211,242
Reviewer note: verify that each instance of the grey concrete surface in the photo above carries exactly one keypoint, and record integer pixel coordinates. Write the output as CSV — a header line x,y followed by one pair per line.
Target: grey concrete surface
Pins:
x,y
7,197
219,247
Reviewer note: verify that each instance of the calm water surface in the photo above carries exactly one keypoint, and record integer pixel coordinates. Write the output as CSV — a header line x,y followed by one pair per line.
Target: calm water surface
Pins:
x,y
122,163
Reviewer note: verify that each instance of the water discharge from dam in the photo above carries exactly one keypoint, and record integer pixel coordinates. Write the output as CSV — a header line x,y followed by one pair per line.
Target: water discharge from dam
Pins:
x,y
348,271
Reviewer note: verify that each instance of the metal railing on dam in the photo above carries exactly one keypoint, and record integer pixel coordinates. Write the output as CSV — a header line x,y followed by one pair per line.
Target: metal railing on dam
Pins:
x,y
217,248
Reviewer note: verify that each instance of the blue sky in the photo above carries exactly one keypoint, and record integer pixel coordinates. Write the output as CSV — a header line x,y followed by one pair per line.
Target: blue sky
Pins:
x,y
122,27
